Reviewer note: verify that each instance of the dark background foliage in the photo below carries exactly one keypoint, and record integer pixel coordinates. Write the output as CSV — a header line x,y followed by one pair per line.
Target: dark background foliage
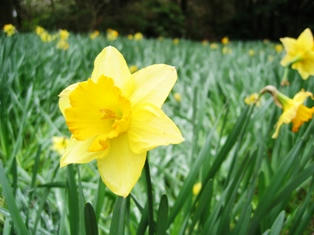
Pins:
x,y
195,19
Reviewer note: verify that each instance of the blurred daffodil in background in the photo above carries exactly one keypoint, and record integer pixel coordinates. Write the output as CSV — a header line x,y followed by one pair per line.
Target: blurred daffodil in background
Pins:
x,y
294,111
116,117
112,34
63,37
63,45
176,41
197,188
300,53
59,144
225,40
278,48
205,42
94,34
64,34
130,36
133,68
251,52
213,45
177,97
252,99
226,50
9,29
138,36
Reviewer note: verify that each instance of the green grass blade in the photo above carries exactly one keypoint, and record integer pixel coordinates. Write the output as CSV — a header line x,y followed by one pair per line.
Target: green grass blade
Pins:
x,y
73,201
91,226
10,201
161,226
100,198
150,199
118,219
277,225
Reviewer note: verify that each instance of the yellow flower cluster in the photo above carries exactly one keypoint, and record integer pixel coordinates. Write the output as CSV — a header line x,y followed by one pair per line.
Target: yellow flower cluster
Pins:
x,y
9,29
63,39
115,117
44,35
94,34
112,34
137,36
300,56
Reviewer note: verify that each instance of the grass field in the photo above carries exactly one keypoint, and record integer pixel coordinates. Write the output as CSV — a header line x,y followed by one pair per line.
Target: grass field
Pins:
x,y
251,183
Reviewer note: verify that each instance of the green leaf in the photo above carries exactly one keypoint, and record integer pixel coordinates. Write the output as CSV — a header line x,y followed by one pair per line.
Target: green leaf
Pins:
x,y
277,225
73,201
100,198
117,222
10,201
161,226
91,226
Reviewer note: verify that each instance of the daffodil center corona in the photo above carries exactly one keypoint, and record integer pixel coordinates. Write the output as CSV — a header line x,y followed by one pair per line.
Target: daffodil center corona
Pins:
x,y
98,110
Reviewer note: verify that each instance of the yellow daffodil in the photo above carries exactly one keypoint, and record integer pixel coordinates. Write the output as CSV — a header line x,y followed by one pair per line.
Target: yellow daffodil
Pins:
x,y
251,52
293,109
39,30
197,188
205,42
177,97
176,41
9,29
64,34
130,36
252,99
133,68
94,34
59,144
63,45
112,34
225,40
213,45
226,50
138,36
115,117
278,48
300,53
160,38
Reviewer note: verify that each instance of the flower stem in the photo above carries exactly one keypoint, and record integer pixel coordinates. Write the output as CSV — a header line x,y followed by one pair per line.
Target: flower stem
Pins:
x,y
149,197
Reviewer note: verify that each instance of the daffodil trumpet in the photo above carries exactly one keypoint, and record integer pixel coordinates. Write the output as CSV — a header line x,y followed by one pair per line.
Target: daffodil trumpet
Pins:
x,y
294,111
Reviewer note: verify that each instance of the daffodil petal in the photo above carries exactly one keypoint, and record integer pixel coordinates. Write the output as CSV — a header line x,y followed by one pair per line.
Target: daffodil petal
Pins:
x,y
288,43
306,39
77,152
121,168
151,127
153,84
111,63
64,100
